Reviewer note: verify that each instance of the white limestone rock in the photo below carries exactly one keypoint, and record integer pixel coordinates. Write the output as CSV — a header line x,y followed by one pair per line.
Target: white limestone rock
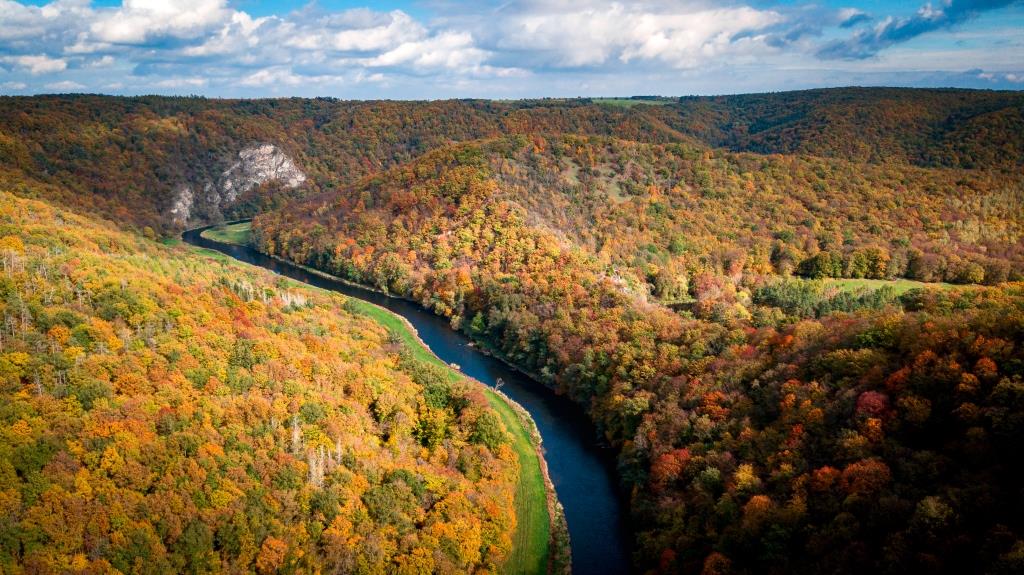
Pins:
x,y
258,164
181,209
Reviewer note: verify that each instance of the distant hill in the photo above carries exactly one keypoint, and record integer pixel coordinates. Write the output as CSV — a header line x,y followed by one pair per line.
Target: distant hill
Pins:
x,y
134,158
924,127
646,210
131,158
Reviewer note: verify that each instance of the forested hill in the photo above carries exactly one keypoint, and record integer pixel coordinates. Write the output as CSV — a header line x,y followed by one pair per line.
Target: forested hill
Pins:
x,y
773,306
652,213
134,158
164,411
956,128
846,421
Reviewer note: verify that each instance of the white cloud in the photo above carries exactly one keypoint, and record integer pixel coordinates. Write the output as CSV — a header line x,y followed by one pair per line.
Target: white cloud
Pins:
x,y
170,39
15,86
139,20
596,34
845,14
102,62
21,22
399,30
38,64
446,50
272,77
85,45
376,77
1010,77
181,83
519,47
64,86
237,35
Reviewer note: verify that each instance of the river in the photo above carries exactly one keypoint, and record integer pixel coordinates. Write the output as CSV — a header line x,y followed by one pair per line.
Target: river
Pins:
x,y
582,471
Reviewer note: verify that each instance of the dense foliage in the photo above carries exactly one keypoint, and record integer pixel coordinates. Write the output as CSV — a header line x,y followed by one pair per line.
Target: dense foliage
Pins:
x,y
878,441
126,157
161,412
954,128
778,424
672,267
656,207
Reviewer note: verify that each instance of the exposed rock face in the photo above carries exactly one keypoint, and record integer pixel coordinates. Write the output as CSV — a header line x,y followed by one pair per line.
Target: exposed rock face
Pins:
x,y
257,164
181,210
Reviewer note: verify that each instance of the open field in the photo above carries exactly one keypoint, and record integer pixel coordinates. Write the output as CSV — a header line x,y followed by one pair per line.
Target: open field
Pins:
x,y
900,285
630,102
231,233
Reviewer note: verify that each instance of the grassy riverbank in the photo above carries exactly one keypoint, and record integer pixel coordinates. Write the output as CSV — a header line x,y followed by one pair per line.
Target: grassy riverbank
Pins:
x,y
530,541
230,234
530,550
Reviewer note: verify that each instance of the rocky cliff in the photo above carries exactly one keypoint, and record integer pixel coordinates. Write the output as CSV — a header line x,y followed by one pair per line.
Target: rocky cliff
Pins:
x,y
256,164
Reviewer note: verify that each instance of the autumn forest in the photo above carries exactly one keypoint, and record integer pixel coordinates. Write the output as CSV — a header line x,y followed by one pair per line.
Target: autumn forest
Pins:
x,y
794,322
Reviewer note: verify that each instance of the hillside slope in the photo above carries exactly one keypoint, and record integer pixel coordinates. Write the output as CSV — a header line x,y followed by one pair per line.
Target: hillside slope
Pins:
x,y
164,411
132,159
659,216
778,424
951,128
673,268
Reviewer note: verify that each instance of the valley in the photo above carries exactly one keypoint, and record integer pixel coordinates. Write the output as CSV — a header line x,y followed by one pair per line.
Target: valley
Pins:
x,y
758,333
581,470
165,405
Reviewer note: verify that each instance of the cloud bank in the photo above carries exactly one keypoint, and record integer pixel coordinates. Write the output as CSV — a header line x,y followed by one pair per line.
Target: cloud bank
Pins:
x,y
513,49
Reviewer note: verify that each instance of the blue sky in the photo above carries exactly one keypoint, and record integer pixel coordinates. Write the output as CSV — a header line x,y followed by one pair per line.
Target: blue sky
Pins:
x,y
503,49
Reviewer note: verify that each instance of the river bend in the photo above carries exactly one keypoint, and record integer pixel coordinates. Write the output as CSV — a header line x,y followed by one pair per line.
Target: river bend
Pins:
x,y
582,471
